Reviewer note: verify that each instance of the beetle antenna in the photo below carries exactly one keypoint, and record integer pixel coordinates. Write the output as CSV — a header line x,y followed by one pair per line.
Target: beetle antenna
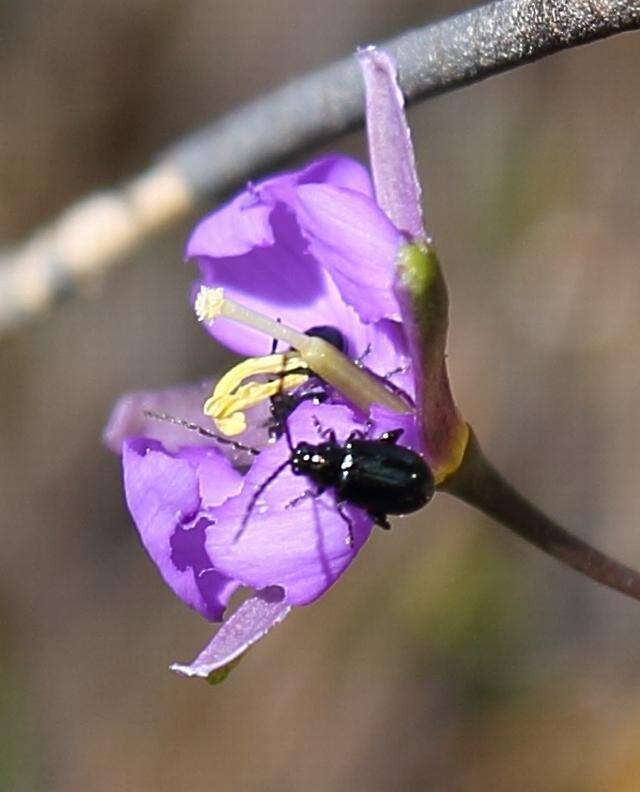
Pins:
x,y
287,434
256,495
274,343
285,423
192,427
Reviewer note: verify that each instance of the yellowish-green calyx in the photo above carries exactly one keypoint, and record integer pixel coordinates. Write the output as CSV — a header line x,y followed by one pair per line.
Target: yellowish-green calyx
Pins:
x,y
418,268
424,304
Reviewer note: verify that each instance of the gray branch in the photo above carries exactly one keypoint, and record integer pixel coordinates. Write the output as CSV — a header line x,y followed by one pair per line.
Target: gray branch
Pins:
x,y
103,229
431,60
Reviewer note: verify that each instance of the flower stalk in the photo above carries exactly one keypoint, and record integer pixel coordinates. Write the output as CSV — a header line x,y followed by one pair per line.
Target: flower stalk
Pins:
x,y
479,484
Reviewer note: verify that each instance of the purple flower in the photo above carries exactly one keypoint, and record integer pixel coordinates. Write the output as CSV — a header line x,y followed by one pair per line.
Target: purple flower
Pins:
x,y
308,248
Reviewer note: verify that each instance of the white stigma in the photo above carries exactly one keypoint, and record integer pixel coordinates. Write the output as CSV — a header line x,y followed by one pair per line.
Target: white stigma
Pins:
x,y
208,304
212,304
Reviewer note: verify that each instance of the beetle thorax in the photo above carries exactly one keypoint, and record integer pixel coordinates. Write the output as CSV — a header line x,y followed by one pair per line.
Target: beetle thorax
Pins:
x,y
321,463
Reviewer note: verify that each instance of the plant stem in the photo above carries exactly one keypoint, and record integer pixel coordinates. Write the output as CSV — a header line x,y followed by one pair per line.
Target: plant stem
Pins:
x,y
478,483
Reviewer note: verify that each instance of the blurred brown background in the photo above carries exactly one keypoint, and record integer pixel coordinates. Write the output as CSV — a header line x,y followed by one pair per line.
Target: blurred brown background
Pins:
x,y
452,656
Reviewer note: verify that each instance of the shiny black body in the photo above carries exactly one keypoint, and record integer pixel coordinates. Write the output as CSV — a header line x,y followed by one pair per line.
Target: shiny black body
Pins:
x,y
377,475
330,334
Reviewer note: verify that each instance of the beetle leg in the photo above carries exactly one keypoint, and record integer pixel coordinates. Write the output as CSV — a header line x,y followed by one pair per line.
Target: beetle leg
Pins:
x,y
350,537
359,360
326,434
390,385
309,493
361,434
397,370
391,436
381,520
297,370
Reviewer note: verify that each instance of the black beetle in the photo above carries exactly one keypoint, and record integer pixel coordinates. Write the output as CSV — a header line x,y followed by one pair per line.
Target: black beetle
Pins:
x,y
378,475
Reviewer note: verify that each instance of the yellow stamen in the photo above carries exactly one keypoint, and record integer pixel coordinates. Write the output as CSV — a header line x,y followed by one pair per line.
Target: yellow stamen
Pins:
x,y
358,385
231,397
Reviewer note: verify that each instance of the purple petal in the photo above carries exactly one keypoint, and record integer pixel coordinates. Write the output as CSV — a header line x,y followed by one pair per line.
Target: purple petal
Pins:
x,y
282,281
384,420
303,547
255,249
356,243
234,229
338,170
390,150
164,494
218,479
251,622
128,419
243,223
390,357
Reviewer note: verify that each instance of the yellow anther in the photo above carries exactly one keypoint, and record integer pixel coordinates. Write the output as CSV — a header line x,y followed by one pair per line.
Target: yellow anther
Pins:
x,y
232,395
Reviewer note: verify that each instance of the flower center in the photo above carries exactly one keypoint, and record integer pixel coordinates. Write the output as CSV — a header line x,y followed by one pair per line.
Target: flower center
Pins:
x,y
357,385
